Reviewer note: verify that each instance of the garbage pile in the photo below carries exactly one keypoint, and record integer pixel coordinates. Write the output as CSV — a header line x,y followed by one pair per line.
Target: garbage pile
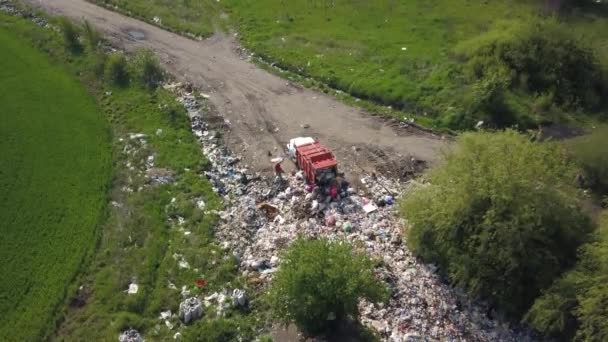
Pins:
x,y
264,215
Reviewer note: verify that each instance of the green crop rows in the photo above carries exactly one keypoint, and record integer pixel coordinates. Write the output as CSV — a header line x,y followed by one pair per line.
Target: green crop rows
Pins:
x,y
54,172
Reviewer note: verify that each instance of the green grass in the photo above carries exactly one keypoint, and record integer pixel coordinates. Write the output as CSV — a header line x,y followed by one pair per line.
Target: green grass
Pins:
x,y
197,17
357,46
55,163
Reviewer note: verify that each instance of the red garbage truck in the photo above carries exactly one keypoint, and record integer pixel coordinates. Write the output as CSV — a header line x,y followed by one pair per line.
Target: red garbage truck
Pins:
x,y
317,162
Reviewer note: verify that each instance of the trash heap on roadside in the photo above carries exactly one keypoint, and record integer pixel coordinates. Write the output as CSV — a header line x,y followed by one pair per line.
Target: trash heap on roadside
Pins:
x,y
263,215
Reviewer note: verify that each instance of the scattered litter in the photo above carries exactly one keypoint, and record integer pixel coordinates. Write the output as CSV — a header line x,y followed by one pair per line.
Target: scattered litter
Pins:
x,y
370,208
133,288
200,204
165,314
134,136
185,292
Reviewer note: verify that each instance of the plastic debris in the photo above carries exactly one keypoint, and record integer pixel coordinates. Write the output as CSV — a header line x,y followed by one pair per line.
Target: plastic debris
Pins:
x,y
370,208
190,309
239,299
133,288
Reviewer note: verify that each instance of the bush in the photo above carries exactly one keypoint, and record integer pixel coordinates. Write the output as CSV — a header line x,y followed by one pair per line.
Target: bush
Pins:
x,y
542,57
70,35
116,70
575,307
92,36
590,152
321,280
147,69
98,64
499,217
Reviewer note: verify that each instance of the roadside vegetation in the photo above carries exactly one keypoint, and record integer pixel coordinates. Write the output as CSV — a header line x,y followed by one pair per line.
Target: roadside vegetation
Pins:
x,y
591,154
502,218
574,307
55,171
157,236
197,18
518,63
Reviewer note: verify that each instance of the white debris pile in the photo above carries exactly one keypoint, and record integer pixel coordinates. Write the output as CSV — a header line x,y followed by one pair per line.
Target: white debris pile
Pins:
x,y
130,335
264,215
166,316
190,310
222,301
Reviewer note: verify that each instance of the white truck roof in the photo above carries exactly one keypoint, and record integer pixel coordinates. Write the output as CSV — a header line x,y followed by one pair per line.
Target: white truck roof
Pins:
x,y
295,142
301,141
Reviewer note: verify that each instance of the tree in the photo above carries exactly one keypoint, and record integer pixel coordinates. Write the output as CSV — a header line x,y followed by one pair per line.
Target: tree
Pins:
x,y
320,282
576,305
499,216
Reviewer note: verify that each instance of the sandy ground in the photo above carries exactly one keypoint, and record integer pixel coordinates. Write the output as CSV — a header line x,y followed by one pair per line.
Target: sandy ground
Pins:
x,y
264,110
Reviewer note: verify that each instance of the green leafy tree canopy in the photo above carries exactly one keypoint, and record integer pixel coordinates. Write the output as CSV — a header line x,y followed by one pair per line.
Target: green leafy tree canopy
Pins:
x,y
320,282
499,216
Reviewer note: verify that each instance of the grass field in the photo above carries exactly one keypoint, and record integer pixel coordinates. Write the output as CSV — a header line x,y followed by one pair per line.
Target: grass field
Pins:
x,y
54,172
200,18
394,53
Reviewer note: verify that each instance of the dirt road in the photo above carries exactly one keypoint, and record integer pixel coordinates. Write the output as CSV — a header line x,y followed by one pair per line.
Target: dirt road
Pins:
x,y
264,110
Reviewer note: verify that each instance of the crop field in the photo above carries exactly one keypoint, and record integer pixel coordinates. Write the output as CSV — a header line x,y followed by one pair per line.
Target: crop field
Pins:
x,y
54,172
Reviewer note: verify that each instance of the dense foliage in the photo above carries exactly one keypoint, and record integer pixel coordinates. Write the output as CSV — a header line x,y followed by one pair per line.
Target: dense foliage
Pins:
x,y
591,152
320,282
499,217
576,305
541,57
54,174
